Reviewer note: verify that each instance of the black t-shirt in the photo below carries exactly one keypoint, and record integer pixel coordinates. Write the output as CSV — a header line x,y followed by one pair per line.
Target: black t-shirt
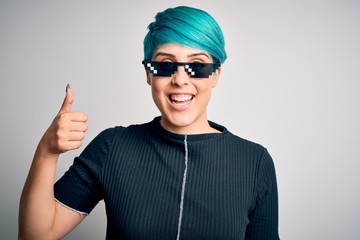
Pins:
x,y
161,185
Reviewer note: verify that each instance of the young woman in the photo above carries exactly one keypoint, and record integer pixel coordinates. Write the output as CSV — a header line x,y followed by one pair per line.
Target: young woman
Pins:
x,y
179,176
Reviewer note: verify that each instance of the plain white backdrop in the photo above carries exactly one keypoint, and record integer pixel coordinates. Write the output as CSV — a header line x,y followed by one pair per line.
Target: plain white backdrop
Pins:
x,y
291,83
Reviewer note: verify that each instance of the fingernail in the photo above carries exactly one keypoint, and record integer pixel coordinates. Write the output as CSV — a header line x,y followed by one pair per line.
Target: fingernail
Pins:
x,y
67,87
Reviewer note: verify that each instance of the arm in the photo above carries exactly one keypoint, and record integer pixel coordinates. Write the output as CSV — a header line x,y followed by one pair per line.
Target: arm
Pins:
x,y
263,219
40,216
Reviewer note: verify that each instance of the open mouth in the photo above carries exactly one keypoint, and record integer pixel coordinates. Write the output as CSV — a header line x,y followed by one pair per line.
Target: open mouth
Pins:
x,y
181,98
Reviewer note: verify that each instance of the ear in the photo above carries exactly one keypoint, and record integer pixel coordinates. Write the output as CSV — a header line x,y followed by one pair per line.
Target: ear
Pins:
x,y
216,77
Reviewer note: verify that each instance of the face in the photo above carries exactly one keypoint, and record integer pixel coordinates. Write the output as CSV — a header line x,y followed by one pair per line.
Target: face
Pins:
x,y
181,99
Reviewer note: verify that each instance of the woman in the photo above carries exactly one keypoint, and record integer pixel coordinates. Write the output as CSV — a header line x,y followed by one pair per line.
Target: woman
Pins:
x,y
179,176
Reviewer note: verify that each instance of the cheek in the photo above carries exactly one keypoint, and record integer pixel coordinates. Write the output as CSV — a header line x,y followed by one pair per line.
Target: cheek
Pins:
x,y
157,89
156,97
205,88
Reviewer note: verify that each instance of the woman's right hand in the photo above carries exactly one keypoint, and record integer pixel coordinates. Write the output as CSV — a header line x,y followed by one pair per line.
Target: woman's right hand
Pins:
x,y
40,216
67,130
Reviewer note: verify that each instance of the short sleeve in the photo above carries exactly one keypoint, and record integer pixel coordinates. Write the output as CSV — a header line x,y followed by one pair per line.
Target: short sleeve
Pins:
x,y
264,218
80,187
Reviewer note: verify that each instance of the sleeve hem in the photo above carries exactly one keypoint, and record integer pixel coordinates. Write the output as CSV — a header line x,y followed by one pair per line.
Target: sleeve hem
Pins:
x,y
72,209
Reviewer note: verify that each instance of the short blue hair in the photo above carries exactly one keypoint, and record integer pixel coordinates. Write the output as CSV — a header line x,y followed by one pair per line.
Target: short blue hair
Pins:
x,y
188,26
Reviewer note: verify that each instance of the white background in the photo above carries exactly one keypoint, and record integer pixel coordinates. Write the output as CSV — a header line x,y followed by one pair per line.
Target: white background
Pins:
x,y
291,83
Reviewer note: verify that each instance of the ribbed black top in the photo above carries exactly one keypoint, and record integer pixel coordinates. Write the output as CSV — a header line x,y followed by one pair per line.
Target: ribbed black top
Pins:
x,y
141,171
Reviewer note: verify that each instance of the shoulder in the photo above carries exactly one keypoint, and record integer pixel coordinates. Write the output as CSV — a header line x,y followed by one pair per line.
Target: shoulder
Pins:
x,y
111,139
245,149
247,143
233,137
242,144
258,157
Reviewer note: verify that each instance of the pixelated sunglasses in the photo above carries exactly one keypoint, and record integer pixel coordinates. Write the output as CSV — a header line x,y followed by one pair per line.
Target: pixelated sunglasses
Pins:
x,y
193,69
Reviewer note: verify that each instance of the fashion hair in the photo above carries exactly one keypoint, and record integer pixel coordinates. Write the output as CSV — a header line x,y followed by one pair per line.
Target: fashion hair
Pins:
x,y
188,26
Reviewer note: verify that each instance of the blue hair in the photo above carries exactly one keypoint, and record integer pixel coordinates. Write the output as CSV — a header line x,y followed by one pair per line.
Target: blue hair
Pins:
x,y
188,26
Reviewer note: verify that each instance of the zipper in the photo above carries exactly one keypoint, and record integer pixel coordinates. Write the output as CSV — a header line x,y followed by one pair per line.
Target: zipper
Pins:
x,y
183,188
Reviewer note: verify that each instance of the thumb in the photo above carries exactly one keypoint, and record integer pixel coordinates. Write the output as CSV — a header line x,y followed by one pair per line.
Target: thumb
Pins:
x,y
68,101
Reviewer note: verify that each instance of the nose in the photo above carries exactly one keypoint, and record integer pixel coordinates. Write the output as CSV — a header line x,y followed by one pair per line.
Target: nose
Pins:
x,y
180,77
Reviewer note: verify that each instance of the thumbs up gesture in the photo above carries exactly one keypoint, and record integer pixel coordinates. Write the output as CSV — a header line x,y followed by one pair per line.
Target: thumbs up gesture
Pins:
x,y
67,131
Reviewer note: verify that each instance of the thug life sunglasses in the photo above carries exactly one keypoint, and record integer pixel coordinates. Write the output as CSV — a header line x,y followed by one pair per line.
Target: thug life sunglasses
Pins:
x,y
193,69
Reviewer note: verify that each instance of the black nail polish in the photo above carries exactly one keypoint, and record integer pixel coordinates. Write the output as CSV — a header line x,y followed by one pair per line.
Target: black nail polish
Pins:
x,y
67,87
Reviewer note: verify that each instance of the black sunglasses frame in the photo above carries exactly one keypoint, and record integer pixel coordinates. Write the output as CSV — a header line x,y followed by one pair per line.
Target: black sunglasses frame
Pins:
x,y
193,69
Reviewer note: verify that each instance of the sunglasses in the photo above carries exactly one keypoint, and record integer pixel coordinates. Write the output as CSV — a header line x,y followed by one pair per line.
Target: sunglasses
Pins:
x,y
194,69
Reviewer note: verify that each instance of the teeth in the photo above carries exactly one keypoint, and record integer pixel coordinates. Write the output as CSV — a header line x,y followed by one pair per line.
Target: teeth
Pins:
x,y
181,98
